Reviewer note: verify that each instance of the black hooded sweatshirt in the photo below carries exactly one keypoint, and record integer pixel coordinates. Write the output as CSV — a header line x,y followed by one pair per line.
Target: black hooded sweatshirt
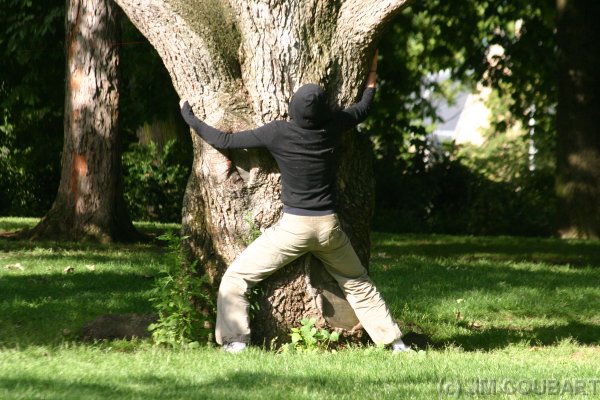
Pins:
x,y
304,148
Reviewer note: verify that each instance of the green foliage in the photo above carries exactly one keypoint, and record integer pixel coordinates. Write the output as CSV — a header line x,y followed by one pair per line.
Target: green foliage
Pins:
x,y
449,197
178,297
15,182
31,104
307,338
154,181
504,155
157,161
423,188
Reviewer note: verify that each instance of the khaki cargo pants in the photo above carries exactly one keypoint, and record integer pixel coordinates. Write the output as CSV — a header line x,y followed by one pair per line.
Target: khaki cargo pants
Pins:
x,y
279,245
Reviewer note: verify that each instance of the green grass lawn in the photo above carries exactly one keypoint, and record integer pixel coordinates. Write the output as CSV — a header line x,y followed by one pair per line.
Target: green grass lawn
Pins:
x,y
505,318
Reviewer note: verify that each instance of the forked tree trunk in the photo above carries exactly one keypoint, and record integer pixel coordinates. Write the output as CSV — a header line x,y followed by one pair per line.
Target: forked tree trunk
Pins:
x,y
238,62
89,203
578,162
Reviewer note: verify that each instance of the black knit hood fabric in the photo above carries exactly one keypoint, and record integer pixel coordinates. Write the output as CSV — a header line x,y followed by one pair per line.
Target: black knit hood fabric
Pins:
x,y
308,107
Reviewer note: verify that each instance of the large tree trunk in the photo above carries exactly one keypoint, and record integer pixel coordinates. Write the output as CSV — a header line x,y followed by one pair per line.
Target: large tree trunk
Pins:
x,y
578,166
89,203
239,62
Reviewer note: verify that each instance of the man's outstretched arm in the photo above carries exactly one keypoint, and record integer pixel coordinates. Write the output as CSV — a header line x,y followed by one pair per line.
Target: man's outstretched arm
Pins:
x,y
358,112
219,139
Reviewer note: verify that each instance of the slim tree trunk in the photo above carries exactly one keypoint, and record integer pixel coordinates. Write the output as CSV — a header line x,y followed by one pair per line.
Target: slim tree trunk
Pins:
x,y
238,62
578,166
89,203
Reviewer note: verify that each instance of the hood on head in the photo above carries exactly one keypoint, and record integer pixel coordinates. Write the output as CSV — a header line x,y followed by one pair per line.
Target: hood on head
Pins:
x,y
308,107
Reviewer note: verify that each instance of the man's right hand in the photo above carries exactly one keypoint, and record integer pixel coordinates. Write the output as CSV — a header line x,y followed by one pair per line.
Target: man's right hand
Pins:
x,y
372,78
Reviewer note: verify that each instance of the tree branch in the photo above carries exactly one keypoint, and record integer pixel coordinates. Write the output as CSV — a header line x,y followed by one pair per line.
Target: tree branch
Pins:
x,y
362,19
199,72
360,23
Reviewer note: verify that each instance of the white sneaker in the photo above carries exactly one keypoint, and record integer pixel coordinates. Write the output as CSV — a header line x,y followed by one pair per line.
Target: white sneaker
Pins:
x,y
234,347
399,347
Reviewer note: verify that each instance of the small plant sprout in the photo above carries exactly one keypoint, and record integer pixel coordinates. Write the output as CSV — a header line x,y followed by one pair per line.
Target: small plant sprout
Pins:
x,y
308,338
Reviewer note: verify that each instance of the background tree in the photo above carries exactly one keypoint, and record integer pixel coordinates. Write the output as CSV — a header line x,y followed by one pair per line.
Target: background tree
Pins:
x,y
578,178
239,63
89,203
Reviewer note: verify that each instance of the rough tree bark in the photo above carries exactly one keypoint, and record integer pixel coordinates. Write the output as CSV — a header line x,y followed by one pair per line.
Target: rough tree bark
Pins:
x,y
89,203
239,62
578,161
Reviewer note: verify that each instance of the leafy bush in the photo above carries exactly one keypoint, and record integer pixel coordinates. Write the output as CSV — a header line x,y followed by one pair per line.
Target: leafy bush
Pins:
x,y
17,193
448,196
155,181
180,298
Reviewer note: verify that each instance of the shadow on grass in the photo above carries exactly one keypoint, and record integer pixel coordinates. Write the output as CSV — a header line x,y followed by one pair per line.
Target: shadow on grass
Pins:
x,y
10,225
40,304
496,338
565,252
233,385
489,293
72,252
555,296
426,273
47,309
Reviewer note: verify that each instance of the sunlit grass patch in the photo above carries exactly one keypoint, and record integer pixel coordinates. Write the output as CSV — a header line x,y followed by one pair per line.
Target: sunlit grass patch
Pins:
x,y
99,372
